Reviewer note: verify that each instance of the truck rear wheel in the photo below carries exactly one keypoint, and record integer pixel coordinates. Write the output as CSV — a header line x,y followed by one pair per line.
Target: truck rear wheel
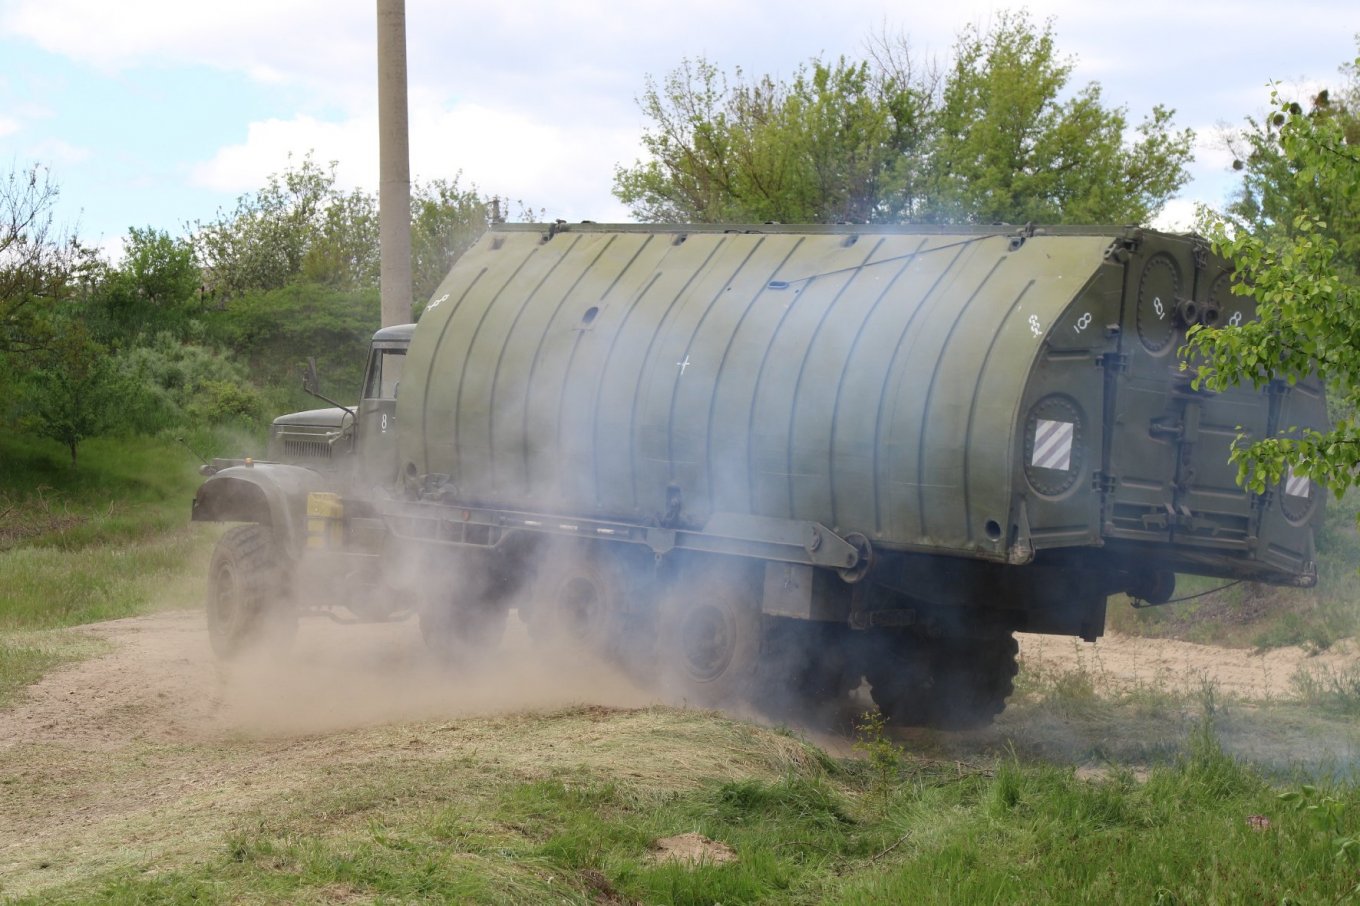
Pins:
x,y
463,611
808,670
973,679
578,601
248,604
709,636
954,683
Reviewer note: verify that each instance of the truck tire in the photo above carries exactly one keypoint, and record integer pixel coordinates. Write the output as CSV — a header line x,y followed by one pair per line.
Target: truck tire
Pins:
x,y
807,669
950,684
973,679
461,631
248,604
578,601
709,637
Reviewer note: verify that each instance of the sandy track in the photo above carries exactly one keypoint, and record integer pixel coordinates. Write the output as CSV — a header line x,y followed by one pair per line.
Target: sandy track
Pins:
x,y
1121,663
159,683
158,747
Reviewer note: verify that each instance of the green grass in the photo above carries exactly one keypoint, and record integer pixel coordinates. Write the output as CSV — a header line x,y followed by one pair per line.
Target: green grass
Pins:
x,y
466,827
1331,691
1249,615
106,540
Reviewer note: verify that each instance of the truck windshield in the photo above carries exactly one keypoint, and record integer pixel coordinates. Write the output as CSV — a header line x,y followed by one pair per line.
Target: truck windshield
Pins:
x,y
384,374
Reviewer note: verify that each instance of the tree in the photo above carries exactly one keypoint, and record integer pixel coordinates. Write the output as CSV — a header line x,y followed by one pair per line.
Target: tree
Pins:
x,y
1005,148
445,221
887,139
156,287
37,262
1298,262
298,224
301,227
829,146
73,391
1271,196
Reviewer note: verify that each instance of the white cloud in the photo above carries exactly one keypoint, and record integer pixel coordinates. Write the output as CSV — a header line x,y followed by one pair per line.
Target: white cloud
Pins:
x,y
536,101
8,126
270,143
566,171
59,151
307,41
1177,217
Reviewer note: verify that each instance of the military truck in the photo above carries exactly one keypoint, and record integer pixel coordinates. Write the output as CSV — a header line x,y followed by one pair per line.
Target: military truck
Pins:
x,y
776,458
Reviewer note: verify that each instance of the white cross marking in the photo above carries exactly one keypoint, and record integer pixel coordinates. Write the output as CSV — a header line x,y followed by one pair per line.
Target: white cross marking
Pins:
x,y
683,365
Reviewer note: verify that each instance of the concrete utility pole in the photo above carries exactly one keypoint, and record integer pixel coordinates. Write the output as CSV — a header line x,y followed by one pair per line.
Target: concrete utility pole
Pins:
x,y
394,164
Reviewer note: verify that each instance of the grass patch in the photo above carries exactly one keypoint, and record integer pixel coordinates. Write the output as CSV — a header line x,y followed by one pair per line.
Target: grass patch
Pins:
x,y
481,821
109,539
47,587
125,489
1250,615
1328,690
26,656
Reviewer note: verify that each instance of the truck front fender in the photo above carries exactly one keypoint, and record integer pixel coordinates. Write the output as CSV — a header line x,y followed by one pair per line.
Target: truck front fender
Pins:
x,y
271,494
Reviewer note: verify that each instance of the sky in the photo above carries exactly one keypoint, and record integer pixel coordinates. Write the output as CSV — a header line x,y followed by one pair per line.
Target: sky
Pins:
x,y
160,113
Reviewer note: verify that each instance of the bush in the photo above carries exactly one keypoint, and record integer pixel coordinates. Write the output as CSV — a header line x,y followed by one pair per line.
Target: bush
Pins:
x,y
178,385
276,330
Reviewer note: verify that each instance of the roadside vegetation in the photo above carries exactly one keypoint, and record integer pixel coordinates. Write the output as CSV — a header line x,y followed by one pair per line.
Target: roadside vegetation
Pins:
x,y
110,539
593,805
1250,615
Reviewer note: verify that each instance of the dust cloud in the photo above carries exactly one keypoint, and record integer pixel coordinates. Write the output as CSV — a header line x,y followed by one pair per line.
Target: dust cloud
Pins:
x,y
338,677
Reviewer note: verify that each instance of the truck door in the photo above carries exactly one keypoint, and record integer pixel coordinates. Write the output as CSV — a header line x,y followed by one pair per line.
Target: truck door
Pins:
x,y
1145,420
1211,509
1168,475
378,416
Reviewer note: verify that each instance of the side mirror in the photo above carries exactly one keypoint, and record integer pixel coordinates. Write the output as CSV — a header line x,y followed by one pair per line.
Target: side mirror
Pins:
x,y
312,386
310,382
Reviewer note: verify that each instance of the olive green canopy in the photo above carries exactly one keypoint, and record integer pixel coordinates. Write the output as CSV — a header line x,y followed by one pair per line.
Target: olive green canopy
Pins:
x,y
869,379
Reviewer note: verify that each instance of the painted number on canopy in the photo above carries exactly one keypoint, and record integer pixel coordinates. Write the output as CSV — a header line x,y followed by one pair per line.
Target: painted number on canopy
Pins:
x,y
1082,323
1034,326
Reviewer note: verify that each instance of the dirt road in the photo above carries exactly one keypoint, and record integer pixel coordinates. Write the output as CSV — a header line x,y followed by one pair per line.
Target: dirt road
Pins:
x,y
160,683
159,747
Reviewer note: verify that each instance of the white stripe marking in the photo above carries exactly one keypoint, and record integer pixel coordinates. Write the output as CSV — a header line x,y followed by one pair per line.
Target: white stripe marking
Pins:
x,y
1297,485
1053,445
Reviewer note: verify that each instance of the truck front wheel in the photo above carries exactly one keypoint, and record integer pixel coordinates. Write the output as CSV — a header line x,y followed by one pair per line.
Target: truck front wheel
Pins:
x,y
248,603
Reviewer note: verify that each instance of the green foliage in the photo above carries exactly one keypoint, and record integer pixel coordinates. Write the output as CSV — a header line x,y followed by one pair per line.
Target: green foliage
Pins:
x,y
1302,274
882,754
445,221
300,224
276,330
301,227
39,267
155,289
1332,691
73,392
1327,815
1007,148
177,385
835,144
1272,193
888,140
